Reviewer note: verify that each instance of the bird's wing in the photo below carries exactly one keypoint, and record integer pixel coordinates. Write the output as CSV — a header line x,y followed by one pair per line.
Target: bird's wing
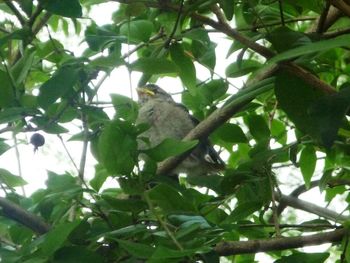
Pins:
x,y
211,155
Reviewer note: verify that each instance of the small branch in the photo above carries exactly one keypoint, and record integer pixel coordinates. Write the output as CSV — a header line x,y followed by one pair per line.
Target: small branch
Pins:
x,y
20,215
303,226
312,208
279,243
323,17
289,21
15,12
295,193
19,164
179,13
336,33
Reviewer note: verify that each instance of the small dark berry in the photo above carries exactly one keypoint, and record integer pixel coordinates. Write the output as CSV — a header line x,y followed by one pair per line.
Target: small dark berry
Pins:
x,y
37,140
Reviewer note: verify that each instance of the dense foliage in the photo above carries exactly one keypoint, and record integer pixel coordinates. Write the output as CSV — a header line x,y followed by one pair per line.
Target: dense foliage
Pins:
x,y
289,119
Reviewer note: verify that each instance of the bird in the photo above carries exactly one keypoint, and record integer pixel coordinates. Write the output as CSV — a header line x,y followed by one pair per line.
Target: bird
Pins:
x,y
169,119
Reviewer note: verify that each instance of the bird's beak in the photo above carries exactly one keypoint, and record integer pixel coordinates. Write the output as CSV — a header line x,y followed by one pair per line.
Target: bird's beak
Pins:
x,y
145,91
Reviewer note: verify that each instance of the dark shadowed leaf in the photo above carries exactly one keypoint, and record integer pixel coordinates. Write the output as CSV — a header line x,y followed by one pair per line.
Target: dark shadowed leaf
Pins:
x,y
136,249
169,147
67,8
73,254
169,199
328,114
60,84
295,97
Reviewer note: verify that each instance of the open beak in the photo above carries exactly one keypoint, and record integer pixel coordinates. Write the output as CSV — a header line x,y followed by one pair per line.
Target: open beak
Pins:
x,y
145,91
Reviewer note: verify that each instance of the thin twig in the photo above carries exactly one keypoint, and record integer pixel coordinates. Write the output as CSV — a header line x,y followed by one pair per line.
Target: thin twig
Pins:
x,y
170,38
162,223
281,12
19,164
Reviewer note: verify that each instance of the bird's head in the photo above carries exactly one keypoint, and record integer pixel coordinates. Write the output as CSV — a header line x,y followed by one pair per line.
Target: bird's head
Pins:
x,y
151,92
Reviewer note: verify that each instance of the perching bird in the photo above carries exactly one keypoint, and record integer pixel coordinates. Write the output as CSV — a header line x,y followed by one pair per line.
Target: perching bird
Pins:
x,y
168,119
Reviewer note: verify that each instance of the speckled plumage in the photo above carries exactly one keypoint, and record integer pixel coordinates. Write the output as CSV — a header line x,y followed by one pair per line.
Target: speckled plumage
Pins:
x,y
168,119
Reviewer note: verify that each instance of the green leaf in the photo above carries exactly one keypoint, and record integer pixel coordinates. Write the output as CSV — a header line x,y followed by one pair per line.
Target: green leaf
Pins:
x,y
16,113
7,90
20,34
278,131
118,148
48,126
307,163
169,199
22,67
304,258
162,253
283,38
228,7
100,177
56,238
154,66
169,147
230,132
319,46
3,147
125,107
67,8
328,114
185,64
10,179
73,254
59,85
242,67
258,127
99,38
137,30
243,210
127,205
26,6
136,249
295,97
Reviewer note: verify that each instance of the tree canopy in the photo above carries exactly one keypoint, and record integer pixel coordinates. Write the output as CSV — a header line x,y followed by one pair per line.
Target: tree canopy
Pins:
x,y
282,133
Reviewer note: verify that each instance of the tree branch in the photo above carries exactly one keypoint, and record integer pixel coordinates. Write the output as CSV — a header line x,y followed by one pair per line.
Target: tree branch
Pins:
x,y
280,243
15,12
20,215
312,208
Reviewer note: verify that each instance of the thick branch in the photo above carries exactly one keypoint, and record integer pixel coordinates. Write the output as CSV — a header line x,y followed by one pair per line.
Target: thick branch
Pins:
x,y
342,6
20,215
280,243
